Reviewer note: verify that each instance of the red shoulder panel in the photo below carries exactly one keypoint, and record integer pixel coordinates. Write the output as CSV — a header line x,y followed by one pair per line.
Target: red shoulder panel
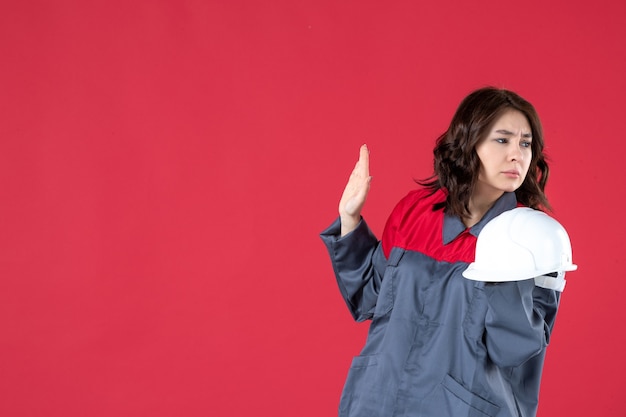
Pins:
x,y
413,225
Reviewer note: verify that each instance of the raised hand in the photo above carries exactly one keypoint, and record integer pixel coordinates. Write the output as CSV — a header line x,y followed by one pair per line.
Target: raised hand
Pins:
x,y
355,193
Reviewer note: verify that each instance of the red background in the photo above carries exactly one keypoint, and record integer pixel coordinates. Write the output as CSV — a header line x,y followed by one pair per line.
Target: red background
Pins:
x,y
166,167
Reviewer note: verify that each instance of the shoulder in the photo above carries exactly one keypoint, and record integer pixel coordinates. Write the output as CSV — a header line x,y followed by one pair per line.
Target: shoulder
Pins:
x,y
419,199
413,219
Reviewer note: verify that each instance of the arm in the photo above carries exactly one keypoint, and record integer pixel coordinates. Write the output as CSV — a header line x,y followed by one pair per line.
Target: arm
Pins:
x,y
352,247
359,264
519,320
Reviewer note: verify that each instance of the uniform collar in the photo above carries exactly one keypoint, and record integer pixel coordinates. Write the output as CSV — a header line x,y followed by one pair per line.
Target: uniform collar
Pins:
x,y
454,226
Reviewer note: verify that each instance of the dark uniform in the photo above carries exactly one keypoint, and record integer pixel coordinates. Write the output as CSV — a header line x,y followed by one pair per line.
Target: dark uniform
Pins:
x,y
439,345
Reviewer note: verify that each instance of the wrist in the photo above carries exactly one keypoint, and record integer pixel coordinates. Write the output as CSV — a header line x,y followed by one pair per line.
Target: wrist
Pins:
x,y
349,223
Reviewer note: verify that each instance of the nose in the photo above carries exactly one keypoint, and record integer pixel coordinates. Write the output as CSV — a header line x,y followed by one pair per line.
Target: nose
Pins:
x,y
515,152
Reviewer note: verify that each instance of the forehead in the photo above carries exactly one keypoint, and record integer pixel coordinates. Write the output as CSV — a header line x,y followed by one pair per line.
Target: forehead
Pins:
x,y
513,121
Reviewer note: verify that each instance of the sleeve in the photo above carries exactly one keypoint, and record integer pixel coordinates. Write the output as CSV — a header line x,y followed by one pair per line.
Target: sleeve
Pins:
x,y
359,264
519,320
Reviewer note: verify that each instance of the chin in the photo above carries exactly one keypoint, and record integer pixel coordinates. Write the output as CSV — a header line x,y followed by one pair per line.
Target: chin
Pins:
x,y
510,188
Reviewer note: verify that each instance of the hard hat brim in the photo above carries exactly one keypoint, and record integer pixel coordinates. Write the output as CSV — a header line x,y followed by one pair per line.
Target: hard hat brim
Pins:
x,y
475,274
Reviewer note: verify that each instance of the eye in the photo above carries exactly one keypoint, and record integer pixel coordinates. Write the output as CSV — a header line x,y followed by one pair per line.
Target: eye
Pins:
x,y
526,144
502,140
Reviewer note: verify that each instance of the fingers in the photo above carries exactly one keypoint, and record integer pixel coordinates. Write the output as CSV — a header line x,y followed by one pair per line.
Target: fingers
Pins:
x,y
355,193
364,159
358,183
362,167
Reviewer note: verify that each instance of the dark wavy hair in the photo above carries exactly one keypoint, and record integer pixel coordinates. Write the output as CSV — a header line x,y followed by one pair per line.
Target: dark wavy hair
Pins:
x,y
456,163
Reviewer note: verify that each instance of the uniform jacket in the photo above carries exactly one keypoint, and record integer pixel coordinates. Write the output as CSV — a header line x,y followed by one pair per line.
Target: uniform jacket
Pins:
x,y
439,345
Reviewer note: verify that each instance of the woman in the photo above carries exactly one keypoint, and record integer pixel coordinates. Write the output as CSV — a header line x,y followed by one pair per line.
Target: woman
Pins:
x,y
440,345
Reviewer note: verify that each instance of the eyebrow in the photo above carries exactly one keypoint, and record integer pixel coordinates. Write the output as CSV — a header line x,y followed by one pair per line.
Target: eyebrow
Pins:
x,y
509,133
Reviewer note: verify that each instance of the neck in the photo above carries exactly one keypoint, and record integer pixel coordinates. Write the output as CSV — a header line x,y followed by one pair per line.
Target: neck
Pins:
x,y
478,206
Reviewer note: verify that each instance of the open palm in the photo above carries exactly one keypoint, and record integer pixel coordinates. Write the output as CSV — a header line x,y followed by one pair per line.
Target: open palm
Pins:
x,y
355,193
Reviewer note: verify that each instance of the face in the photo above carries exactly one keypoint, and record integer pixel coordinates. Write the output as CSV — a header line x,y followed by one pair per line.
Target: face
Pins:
x,y
505,155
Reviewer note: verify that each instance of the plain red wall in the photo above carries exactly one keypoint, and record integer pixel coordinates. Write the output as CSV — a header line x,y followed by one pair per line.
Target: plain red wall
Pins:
x,y
166,167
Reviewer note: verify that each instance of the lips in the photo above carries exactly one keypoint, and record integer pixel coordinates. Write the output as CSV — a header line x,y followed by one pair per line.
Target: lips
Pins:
x,y
511,173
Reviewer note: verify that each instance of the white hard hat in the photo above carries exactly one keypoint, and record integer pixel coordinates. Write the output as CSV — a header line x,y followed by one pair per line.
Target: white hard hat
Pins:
x,y
520,244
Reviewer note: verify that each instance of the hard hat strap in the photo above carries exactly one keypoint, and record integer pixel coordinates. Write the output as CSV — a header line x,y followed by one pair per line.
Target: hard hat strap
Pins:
x,y
552,281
